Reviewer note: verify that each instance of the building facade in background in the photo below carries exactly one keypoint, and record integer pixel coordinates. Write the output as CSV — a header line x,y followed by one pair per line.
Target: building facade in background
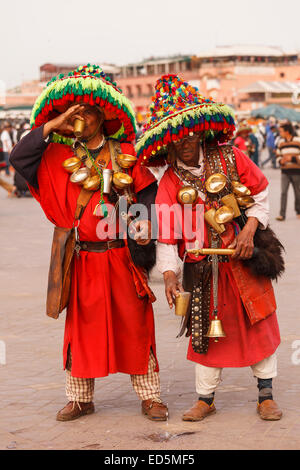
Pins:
x,y
246,77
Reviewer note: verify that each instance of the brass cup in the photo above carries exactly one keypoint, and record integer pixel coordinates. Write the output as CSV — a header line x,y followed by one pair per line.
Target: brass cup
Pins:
x,y
80,175
182,303
187,195
121,180
78,126
215,183
209,216
239,189
92,183
245,201
125,160
224,214
72,164
230,201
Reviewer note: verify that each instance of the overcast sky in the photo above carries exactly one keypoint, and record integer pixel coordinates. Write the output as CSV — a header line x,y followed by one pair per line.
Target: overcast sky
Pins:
x,y
33,32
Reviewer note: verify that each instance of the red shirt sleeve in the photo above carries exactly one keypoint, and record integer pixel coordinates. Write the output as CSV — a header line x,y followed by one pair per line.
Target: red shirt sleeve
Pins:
x,y
240,143
249,173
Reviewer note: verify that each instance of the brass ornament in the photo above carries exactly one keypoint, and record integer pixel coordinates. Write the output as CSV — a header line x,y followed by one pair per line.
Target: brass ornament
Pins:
x,y
216,183
239,189
72,164
209,216
187,195
215,329
80,175
224,215
125,160
122,180
230,201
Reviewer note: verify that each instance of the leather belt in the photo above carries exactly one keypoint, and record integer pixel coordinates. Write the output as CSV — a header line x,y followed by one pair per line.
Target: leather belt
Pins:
x,y
99,247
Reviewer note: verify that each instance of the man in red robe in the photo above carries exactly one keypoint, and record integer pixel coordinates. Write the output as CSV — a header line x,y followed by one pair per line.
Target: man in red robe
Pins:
x,y
190,131
109,322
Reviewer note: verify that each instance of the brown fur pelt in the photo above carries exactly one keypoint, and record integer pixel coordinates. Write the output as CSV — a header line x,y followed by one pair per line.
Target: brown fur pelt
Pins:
x,y
267,259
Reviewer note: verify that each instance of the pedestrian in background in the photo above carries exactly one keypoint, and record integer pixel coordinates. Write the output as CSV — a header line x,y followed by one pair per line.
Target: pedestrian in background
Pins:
x,y
288,153
7,144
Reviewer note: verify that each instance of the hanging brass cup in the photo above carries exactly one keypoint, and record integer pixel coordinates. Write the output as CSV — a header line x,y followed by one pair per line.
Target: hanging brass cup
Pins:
x,y
245,201
230,201
187,195
239,189
92,183
215,329
78,127
121,180
72,164
224,214
125,160
209,216
80,175
182,303
215,183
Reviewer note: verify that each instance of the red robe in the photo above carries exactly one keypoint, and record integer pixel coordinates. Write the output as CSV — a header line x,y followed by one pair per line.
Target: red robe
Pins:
x,y
108,327
244,344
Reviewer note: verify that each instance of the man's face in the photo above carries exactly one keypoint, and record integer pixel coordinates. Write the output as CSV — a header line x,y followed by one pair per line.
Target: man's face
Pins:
x,y
283,134
93,119
187,150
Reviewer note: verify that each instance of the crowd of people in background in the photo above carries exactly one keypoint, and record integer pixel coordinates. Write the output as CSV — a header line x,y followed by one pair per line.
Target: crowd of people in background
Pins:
x,y
279,140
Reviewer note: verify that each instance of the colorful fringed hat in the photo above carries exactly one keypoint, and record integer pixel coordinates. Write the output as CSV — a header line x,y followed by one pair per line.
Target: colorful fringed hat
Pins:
x,y
178,109
87,84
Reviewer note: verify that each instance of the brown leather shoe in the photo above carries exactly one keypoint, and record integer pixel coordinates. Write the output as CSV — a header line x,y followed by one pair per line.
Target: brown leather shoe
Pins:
x,y
74,410
199,411
268,410
154,410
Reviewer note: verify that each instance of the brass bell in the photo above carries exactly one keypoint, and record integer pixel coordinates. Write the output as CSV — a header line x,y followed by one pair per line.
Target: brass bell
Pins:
x,y
245,201
215,183
230,201
72,164
215,329
121,180
80,175
92,183
187,195
224,214
78,127
239,189
125,160
209,216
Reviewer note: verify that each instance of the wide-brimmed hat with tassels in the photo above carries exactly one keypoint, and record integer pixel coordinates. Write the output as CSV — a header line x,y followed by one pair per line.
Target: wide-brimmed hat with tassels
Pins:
x,y
178,109
90,85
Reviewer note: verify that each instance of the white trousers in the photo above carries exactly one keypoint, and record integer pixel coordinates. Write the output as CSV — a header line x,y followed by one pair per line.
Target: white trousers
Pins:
x,y
208,378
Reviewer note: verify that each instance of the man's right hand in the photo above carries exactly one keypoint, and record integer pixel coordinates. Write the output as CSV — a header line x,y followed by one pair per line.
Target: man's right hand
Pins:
x,y
64,122
172,287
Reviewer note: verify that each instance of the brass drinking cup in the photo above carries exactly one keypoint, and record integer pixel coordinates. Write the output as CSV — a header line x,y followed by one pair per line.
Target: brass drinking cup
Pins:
x,y
182,303
78,126
125,160
92,183
245,201
187,195
215,183
230,201
209,216
72,164
239,189
121,180
80,175
224,214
